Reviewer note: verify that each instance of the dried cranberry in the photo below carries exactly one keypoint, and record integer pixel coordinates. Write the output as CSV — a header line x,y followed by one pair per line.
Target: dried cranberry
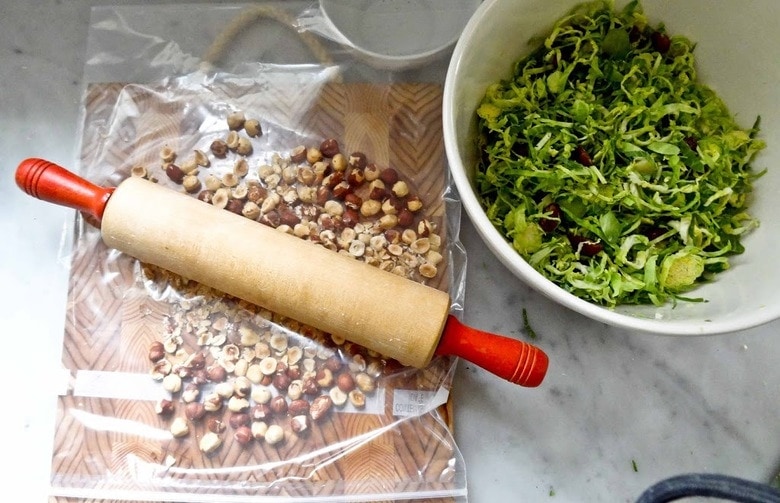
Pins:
x,y
548,224
581,156
692,142
661,42
653,232
586,246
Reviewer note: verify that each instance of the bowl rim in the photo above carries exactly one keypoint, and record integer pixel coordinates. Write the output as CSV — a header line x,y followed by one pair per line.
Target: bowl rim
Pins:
x,y
504,252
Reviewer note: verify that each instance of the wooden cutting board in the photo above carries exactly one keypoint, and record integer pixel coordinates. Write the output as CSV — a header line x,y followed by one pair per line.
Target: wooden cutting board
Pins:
x,y
109,441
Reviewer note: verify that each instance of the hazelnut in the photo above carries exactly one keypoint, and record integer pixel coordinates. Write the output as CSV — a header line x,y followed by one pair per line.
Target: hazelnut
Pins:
x,y
414,203
333,363
320,407
278,405
224,389
329,147
324,377
377,191
337,396
365,382
237,404
268,365
281,382
156,351
212,402
352,201
219,148
256,193
201,159
428,270
167,154
388,221
355,177
350,218
238,419
213,183
209,443
298,154
216,425
243,435
199,377
345,382
191,393
191,184
310,387
274,434
389,176
217,373
180,428
357,398
259,428
298,407
139,172
232,140
160,369
295,389
306,176
294,354
299,424
260,411
189,166
339,162
236,120
174,173
261,394
370,207
242,386
206,196
196,361
235,206
313,155
195,411
243,146
400,188
253,128
357,160
164,407
341,190
172,383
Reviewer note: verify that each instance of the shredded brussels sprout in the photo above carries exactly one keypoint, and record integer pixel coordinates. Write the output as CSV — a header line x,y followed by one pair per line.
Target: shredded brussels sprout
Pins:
x,y
609,167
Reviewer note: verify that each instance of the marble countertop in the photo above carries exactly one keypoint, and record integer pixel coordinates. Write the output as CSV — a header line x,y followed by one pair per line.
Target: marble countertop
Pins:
x,y
617,412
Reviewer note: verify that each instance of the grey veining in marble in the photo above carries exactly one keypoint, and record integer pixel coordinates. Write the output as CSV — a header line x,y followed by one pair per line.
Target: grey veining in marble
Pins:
x,y
617,412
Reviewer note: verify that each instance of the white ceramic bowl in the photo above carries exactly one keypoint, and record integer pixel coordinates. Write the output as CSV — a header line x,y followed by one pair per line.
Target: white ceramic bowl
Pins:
x,y
736,55
397,34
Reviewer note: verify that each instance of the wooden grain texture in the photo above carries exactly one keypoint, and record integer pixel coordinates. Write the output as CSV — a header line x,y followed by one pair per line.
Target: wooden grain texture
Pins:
x,y
112,448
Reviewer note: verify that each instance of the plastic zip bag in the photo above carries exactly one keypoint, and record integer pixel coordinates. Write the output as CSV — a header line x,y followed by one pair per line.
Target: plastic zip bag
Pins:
x,y
180,393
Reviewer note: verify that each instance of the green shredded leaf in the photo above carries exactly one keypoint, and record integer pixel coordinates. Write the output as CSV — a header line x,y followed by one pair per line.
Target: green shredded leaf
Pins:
x,y
527,325
651,173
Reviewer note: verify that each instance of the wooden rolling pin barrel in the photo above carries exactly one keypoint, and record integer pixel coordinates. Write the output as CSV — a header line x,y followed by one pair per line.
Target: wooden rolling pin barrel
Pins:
x,y
379,310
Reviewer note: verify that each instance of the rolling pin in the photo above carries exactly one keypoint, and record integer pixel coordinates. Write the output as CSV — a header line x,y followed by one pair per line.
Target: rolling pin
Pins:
x,y
395,316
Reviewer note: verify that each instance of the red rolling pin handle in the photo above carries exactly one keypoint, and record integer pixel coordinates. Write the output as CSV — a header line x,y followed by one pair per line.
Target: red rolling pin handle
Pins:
x,y
54,184
516,361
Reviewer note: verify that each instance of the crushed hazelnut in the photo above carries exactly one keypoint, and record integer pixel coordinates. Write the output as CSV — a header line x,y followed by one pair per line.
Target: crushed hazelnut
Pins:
x,y
210,442
179,427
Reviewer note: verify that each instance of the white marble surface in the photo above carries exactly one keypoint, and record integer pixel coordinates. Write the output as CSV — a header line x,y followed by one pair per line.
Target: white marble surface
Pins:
x,y
617,412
